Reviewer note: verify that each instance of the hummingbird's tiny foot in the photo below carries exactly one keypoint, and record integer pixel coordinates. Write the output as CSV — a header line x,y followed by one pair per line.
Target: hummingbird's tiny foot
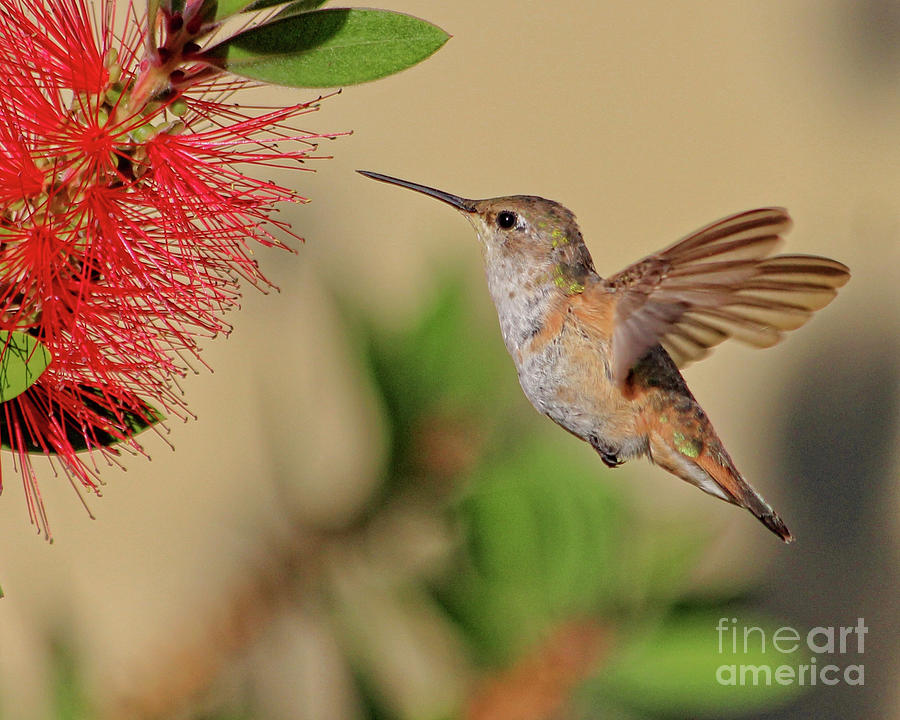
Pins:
x,y
611,461
607,454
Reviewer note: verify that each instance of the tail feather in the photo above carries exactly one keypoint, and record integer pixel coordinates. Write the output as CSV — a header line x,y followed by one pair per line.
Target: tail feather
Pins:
x,y
704,462
741,493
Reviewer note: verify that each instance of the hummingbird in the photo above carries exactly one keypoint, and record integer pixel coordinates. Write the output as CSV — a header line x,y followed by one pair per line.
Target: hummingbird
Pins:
x,y
601,356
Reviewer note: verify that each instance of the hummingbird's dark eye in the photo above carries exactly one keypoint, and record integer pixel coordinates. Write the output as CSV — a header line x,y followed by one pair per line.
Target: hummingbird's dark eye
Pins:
x,y
506,219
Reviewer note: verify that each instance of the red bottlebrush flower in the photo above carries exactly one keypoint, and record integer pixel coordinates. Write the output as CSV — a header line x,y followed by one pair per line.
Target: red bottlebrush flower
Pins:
x,y
125,223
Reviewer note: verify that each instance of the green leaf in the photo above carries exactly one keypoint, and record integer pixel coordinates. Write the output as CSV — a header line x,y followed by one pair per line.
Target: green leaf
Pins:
x,y
680,669
22,360
327,48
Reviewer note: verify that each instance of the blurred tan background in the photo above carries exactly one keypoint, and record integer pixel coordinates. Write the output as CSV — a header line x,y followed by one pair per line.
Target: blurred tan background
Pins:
x,y
648,119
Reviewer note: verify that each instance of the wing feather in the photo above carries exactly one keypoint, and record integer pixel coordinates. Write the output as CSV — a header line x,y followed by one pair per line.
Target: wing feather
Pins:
x,y
716,283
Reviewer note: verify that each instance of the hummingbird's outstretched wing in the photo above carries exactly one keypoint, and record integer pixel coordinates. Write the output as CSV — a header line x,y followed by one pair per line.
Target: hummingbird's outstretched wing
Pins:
x,y
716,283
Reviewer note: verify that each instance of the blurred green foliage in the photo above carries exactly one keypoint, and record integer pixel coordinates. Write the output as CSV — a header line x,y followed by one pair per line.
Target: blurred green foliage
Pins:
x,y
531,556
668,669
70,699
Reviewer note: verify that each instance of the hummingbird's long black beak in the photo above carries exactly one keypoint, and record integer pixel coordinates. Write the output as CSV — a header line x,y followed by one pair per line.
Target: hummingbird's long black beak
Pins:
x,y
454,200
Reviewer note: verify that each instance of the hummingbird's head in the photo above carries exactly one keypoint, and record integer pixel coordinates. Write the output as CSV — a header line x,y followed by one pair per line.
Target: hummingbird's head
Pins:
x,y
532,227
526,228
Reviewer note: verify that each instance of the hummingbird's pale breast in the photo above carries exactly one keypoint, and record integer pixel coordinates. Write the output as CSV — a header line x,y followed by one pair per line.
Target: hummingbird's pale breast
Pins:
x,y
532,275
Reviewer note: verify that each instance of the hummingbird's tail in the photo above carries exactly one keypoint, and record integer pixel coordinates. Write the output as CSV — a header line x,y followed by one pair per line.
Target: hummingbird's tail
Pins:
x,y
702,460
